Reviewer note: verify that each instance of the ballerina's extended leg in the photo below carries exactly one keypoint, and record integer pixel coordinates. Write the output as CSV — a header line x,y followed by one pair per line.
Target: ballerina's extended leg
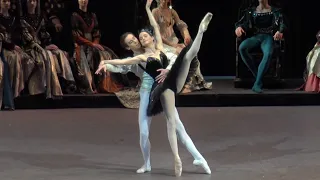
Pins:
x,y
167,97
192,52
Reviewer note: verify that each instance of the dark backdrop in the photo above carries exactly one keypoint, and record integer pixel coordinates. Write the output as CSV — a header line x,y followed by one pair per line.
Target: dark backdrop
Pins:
x,y
217,54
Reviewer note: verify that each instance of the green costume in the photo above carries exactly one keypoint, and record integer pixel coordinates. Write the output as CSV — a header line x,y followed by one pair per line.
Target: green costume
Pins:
x,y
260,27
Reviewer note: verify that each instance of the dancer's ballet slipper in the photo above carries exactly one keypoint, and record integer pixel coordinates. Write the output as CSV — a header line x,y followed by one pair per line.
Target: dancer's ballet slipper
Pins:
x,y
178,167
144,169
205,22
203,163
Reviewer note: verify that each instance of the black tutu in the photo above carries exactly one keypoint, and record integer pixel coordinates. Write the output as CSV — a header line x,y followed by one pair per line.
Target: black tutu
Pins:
x,y
155,106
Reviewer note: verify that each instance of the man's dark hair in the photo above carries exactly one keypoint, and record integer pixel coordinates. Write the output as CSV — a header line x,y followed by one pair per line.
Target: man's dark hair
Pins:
x,y
122,39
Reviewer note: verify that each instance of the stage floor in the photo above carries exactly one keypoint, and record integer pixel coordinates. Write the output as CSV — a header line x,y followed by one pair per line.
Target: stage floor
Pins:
x,y
222,94
242,143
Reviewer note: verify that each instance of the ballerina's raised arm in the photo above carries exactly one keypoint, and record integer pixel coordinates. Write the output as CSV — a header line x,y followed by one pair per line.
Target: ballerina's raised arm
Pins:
x,y
155,25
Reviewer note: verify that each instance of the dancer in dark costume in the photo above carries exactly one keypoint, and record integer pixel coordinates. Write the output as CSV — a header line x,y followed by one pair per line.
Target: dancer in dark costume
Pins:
x,y
162,96
262,25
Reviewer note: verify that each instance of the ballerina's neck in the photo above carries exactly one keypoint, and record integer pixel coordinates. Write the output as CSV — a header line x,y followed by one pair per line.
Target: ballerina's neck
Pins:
x,y
138,52
151,50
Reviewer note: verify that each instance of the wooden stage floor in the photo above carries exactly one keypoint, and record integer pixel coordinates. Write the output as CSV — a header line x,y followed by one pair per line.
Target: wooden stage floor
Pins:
x,y
239,143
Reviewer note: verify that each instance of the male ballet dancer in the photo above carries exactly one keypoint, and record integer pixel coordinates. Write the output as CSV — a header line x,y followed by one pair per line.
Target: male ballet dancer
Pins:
x,y
130,42
262,25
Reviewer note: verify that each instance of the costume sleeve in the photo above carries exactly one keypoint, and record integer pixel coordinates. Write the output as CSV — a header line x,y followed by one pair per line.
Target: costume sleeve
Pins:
x,y
44,35
77,33
123,69
26,34
172,59
96,32
281,23
244,21
5,44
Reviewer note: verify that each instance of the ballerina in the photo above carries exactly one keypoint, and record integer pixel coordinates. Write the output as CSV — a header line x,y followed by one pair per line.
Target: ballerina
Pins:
x,y
162,96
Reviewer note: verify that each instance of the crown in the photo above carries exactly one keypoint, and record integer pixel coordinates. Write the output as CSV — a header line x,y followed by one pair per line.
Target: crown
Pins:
x,y
147,30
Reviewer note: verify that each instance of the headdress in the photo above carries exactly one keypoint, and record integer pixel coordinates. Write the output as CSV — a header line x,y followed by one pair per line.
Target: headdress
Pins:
x,y
148,30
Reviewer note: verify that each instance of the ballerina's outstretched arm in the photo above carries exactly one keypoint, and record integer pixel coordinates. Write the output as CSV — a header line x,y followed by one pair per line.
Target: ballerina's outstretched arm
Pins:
x,y
134,60
155,25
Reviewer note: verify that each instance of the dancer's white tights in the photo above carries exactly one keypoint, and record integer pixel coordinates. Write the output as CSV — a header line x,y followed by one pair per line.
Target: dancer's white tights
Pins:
x,y
144,126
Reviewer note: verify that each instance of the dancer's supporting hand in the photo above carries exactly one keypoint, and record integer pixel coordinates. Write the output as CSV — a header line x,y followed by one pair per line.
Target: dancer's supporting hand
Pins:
x,y
162,76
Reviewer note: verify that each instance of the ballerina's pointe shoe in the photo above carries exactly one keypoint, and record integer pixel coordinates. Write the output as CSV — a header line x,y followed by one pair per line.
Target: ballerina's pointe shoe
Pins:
x,y
178,167
143,169
205,22
203,164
